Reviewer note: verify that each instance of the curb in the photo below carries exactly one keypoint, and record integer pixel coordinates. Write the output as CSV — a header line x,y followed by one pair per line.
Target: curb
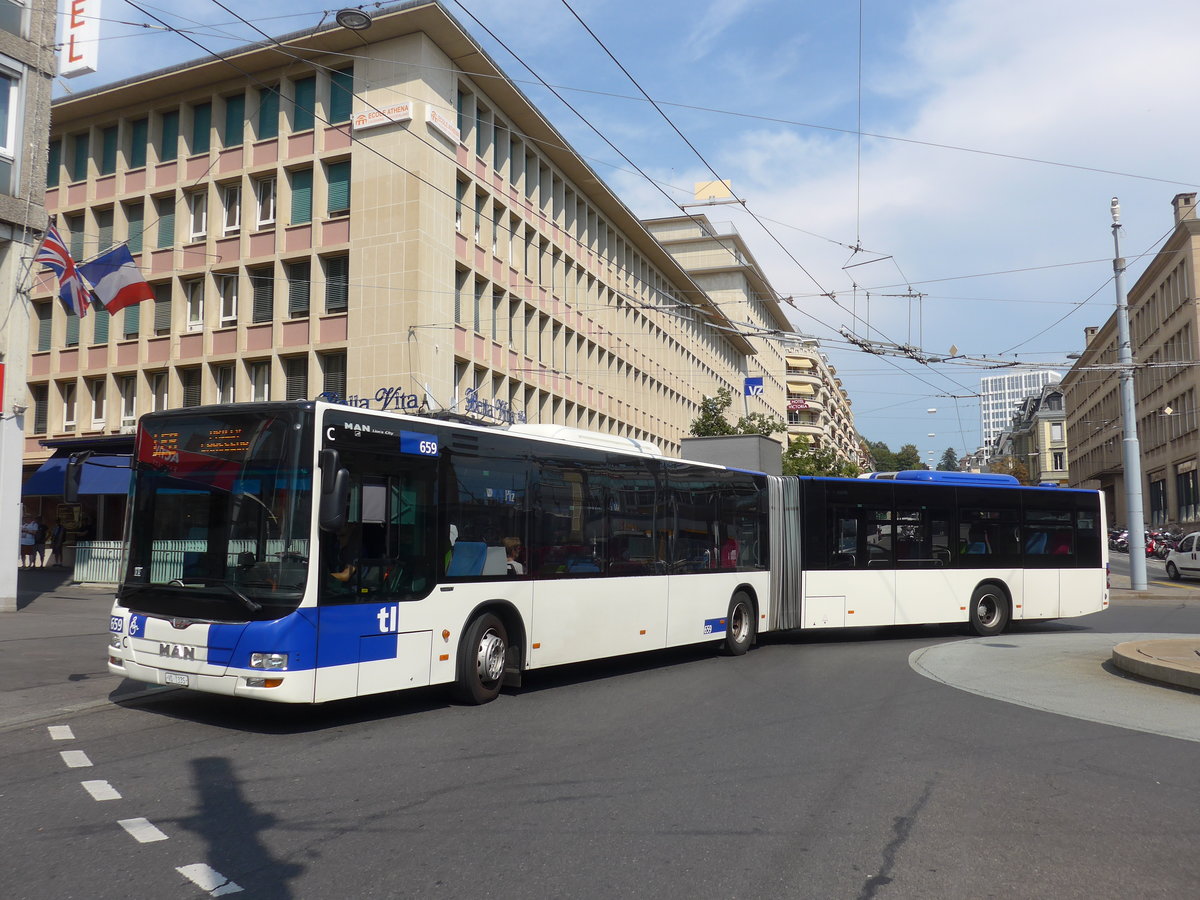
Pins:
x,y
1175,662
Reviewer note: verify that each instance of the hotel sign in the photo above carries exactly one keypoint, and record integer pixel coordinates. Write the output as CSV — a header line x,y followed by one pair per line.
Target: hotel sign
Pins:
x,y
385,115
80,43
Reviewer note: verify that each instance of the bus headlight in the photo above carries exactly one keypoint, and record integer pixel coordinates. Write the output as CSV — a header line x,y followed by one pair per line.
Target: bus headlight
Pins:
x,y
114,641
268,660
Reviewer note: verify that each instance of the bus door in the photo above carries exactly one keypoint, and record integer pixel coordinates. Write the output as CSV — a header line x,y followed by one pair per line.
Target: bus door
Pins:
x,y
371,633
1048,546
924,548
860,565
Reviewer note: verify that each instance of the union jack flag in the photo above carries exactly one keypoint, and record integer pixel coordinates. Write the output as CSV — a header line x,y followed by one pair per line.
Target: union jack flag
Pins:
x,y
54,255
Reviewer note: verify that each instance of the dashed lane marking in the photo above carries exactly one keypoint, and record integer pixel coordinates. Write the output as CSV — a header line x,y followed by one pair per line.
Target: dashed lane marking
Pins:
x,y
208,879
76,759
142,830
61,733
101,790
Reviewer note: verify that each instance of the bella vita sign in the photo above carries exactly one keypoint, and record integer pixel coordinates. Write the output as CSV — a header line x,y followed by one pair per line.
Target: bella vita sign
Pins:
x,y
79,42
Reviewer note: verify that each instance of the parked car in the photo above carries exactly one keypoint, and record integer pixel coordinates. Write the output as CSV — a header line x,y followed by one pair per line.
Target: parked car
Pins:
x,y
1184,560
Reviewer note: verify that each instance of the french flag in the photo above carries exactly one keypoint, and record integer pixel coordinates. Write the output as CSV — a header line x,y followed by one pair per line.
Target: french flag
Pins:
x,y
116,279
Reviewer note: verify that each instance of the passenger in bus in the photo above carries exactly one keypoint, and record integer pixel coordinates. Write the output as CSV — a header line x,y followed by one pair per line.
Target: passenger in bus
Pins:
x,y
729,552
512,550
977,541
343,565
1060,544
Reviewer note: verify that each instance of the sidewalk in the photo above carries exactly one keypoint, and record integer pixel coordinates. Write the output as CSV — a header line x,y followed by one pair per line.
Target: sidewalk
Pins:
x,y
53,650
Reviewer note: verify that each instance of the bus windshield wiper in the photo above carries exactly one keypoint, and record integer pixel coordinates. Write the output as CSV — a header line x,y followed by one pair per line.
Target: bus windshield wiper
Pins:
x,y
250,604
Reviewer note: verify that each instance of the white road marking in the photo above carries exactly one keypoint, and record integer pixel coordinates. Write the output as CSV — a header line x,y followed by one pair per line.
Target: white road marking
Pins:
x,y
61,733
142,830
76,759
208,879
101,790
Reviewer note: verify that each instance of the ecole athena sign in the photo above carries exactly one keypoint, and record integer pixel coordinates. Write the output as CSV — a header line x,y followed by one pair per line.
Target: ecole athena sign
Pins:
x,y
387,115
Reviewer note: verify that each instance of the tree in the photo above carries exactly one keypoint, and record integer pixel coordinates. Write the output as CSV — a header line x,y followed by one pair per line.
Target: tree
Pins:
x,y
885,459
712,419
909,457
949,461
801,458
1010,465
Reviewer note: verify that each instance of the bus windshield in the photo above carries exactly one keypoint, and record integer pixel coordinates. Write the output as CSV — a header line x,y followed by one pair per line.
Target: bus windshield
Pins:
x,y
220,517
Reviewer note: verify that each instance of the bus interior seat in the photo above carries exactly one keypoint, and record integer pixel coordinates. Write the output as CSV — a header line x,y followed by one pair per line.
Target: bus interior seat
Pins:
x,y
1036,545
496,561
467,559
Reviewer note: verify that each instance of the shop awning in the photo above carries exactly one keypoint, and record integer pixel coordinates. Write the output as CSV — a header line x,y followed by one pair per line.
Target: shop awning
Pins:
x,y
101,475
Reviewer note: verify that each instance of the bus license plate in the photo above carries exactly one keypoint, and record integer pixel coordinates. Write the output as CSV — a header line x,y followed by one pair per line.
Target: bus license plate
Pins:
x,y
178,678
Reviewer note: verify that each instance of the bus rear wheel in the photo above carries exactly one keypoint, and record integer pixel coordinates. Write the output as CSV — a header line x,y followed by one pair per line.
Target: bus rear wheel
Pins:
x,y
481,660
739,625
988,610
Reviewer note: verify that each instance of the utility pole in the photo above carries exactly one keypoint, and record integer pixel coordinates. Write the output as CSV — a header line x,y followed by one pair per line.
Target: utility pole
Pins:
x,y
1135,519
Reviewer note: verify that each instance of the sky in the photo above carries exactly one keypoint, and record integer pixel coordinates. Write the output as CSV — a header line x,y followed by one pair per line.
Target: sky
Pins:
x,y
929,173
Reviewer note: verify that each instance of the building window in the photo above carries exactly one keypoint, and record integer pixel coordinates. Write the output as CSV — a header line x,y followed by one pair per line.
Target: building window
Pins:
x,y
158,390
333,375
168,136
96,392
228,285
66,390
139,139
235,120
72,329
1188,493
1056,431
1158,502
268,113
304,106
108,150
162,308
295,371
133,320
198,210
189,382
264,194
79,142
262,284
75,235
231,203
12,17
337,283
45,320
341,95
223,375
54,165
1059,460
194,291
339,188
260,380
135,218
299,276
128,388
104,229
41,407
201,128
100,320
164,208
302,182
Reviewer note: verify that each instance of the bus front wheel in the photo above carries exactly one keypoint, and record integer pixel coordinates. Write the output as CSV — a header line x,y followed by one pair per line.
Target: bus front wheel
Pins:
x,y
989,610
481,660
739,625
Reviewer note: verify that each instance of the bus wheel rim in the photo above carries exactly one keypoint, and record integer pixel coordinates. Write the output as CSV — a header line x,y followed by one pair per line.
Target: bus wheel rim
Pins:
x,y
490,661
987,609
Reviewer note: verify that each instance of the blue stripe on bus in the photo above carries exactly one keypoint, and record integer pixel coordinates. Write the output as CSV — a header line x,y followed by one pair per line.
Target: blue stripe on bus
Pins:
x,y
714,626
349,634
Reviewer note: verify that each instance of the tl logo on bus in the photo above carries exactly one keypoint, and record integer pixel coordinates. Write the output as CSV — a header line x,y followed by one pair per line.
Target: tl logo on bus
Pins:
x,y
389,619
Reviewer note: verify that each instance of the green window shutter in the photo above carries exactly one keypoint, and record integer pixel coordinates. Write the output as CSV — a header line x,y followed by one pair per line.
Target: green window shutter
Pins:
x,y
339,187
341,95
136,214
334,375
302,181
166,222
190,381
100,317
299,275
268,113
337,283
235,120
72,330
75,224
52,168
133,320
162,309
45,314
201,127
108,150
305,103
41,408
263,283
168,147
104,226
79,157
295,370
139,136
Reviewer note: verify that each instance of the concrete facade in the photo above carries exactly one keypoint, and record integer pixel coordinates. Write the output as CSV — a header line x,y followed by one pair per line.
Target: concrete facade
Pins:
x,y
999,397
1164,327
393,223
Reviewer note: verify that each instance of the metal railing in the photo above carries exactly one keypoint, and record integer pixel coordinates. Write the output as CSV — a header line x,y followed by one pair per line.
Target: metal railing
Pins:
x,y
99,562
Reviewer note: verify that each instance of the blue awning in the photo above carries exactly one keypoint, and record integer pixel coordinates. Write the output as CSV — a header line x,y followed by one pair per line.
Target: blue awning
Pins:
x,y
101,475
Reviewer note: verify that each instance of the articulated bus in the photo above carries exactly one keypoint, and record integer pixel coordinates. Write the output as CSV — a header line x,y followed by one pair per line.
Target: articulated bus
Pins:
x,y
306,551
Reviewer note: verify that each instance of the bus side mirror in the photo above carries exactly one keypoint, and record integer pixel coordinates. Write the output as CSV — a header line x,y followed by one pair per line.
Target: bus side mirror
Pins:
x,y
335,492
73,474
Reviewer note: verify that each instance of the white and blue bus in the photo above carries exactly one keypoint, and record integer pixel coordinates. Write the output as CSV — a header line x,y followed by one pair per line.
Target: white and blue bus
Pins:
x,y
306,551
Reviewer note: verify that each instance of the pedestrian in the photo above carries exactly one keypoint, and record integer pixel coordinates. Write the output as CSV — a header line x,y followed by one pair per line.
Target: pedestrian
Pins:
x,y
58,537
39,542
28,539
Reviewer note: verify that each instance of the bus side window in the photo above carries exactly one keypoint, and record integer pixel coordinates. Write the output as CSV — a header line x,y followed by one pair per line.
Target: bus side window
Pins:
x,y
843,545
